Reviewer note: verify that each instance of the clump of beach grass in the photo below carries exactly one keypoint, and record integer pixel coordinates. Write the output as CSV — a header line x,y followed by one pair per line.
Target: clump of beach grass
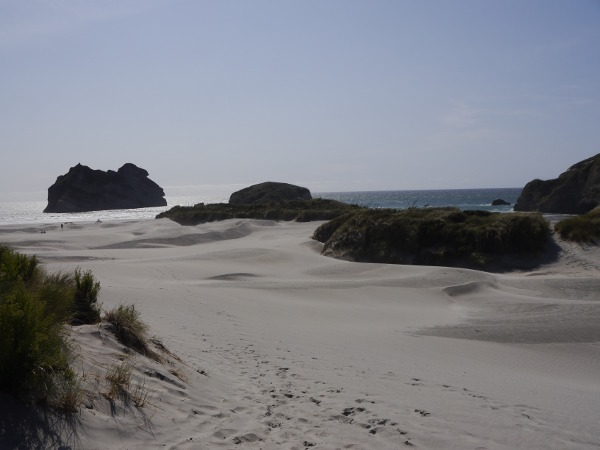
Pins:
x,y
130,330
119,381
435,236
35,307
300,210
36,355
66,392
584,229
86,309
120,386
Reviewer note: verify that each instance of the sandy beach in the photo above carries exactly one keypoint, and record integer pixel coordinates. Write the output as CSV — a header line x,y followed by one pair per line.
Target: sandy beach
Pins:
x,y
277,347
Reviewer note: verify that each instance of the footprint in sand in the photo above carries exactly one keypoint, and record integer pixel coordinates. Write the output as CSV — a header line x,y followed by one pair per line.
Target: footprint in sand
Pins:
x,y
250,437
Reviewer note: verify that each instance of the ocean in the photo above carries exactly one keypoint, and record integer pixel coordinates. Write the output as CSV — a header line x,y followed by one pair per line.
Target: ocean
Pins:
x,y
461,198
31,212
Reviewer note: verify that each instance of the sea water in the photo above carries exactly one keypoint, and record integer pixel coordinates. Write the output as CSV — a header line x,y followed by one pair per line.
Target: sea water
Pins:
x,y
31,212
464,199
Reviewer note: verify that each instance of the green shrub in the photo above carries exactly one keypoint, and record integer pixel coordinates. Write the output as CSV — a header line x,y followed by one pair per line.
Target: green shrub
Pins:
x,y
129,328
15,268
582,229
32,345
57,292
301,210
85,301
325,231
65,391
34,353
434,236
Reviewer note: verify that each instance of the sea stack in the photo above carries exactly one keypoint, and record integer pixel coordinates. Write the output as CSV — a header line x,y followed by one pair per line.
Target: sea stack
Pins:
x,y
269,192
83,189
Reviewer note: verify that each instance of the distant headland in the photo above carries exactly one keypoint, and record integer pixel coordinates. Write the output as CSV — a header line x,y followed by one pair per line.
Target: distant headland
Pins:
x,y
576,191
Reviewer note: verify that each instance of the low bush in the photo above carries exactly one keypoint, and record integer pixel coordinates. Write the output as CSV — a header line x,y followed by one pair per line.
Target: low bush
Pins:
x,y
66,391
16,268
35,355
32,345
584,229
86,309
34,352
129,328
301,210
433,236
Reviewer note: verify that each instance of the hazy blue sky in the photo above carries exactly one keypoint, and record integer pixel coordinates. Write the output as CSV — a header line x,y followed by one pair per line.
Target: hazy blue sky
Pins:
x,y
335,95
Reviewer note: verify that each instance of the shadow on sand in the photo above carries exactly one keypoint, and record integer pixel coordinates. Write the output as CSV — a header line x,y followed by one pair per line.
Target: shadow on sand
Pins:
x,y
28,426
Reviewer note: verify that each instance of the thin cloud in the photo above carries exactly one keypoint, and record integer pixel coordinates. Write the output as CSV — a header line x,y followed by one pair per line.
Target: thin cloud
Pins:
x,y
23,23
464,115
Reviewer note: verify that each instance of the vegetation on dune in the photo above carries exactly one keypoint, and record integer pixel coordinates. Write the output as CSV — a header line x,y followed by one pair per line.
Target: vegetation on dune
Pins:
x,y
119,381
584,229
130,330
85,306
121,387
301,211
434,236
35,355
429,236
34,308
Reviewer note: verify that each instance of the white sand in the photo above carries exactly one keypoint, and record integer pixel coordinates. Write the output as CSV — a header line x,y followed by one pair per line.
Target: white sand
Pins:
x,y
281,347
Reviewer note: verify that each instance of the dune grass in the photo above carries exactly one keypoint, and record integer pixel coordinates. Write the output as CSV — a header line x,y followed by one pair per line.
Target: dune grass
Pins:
x,y
36,357
301,211
85,305
130,330
434,236
584,229
119,381
120,386
35,307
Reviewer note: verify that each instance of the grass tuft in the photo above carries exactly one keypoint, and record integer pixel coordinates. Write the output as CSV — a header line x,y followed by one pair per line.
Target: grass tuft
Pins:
x,y
139,394
119,381
584,229
86,309
34,353
129,329
66,392
121,387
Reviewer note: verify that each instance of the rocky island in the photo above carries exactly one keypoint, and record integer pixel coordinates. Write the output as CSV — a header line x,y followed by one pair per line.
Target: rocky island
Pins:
x,y
269,192
576,191
269,201
84,189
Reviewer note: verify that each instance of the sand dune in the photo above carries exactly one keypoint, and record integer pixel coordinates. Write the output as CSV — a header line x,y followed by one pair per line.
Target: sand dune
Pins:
x,y
281,347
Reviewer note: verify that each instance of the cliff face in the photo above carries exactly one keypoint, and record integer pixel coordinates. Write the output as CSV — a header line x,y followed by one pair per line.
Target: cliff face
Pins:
x,y
269,192
84,189
575,191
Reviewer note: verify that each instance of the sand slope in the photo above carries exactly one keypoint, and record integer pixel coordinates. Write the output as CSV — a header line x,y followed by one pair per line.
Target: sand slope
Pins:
x,y
281,347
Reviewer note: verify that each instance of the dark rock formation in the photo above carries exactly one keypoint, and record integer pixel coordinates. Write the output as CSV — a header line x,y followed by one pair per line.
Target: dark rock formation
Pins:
x,y
575,191
269,192
500,202
84,189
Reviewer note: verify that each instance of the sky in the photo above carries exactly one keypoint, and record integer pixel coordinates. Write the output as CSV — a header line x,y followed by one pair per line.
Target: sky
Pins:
x,y
334,95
